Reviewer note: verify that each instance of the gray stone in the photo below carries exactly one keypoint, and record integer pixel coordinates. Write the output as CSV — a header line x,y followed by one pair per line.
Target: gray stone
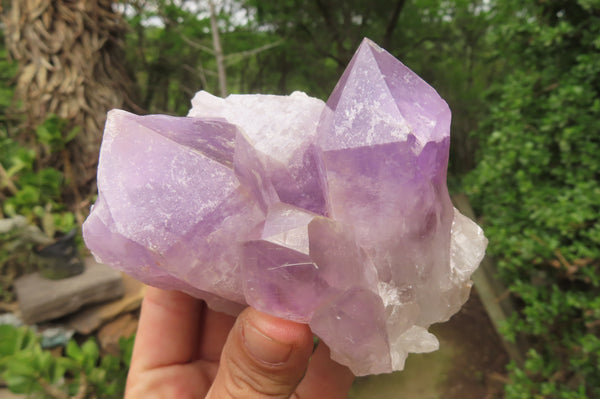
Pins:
x,y
41,299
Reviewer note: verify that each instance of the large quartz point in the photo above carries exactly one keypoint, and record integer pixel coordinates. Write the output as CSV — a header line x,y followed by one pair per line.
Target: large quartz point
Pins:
x,y
336,215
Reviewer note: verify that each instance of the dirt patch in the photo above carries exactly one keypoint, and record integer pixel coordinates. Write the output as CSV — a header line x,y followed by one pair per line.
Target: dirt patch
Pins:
x,y
469,365
478,367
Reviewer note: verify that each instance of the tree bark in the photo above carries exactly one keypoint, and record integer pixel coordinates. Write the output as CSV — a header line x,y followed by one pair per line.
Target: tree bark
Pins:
x,y
69,54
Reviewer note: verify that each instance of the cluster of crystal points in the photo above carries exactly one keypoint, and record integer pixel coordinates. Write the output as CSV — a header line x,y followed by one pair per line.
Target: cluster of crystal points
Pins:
x,y
336,215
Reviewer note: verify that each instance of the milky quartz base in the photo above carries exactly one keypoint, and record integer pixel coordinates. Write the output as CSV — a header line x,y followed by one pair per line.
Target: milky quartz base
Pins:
x,y
336,215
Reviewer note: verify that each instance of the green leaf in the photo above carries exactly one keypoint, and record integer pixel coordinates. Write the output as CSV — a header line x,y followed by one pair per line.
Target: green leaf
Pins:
x,y
9,340
22,365
62,365
91,354
126,346
73,351
44,363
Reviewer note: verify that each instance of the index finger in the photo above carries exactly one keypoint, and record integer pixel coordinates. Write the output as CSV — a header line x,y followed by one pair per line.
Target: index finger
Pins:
x,y
168,330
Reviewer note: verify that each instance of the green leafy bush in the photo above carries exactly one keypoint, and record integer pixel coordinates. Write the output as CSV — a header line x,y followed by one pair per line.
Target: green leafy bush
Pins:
x,y
537,185
35,193
81,372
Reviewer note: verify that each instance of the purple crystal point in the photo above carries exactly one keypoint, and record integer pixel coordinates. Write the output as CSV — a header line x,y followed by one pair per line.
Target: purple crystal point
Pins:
x,y
131,175
334,215
152,196
384,138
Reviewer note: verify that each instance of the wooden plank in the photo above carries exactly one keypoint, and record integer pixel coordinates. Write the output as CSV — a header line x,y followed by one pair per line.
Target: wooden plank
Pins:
x,y
110,334
41,299
494,295
93,317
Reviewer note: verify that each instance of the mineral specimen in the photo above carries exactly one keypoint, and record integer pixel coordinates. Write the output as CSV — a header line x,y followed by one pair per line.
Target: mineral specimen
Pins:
x,y
336,215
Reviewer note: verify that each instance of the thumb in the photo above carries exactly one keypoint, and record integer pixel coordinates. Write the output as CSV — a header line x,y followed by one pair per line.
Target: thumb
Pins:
x,y
264,357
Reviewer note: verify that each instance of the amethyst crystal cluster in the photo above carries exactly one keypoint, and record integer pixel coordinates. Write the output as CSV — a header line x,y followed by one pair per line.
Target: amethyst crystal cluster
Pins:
x,y
336,215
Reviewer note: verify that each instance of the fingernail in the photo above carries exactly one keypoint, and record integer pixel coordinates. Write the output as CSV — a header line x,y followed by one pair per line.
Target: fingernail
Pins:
x,y
265,348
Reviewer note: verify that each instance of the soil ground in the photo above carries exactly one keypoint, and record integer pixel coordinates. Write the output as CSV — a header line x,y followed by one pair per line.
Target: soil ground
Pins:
x,y
470,363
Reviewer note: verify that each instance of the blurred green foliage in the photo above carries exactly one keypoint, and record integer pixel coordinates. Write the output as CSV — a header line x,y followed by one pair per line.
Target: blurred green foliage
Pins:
x,y
36,193
536,182
278,47
80,372
537,185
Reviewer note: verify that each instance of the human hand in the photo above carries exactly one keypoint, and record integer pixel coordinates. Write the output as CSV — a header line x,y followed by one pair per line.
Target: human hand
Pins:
x,y
185,350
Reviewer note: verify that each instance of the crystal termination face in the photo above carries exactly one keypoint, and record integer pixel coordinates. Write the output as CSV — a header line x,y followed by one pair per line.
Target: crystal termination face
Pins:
x,y
336,215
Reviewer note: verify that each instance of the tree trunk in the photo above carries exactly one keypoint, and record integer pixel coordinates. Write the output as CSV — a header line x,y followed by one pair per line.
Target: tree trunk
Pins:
x,y
69,54
392,23
214,27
